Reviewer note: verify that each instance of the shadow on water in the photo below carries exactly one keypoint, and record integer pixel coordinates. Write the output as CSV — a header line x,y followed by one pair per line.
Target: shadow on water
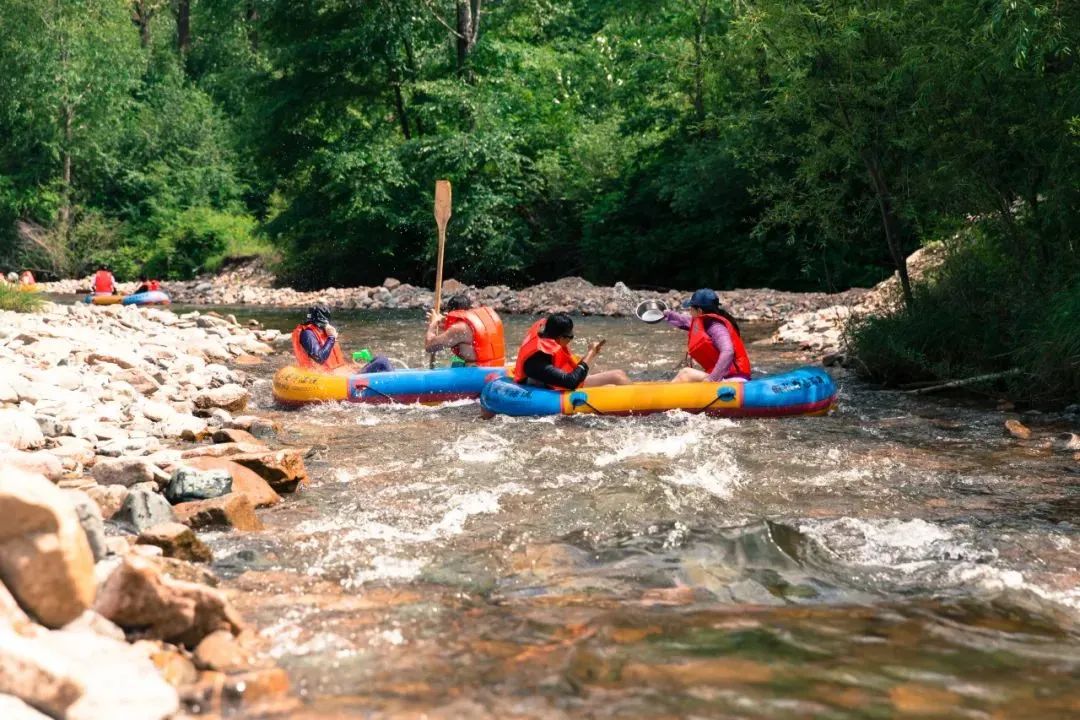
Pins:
x,y
898,557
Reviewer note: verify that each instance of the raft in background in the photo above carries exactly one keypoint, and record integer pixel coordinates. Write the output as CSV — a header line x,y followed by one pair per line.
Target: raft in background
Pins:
x,y
805,391
96,299
151,297
294,386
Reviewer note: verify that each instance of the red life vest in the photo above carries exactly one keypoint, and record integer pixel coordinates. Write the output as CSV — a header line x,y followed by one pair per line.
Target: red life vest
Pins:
x,y
701,348
487,334
104,283
26,278
153,286
336,358
533,343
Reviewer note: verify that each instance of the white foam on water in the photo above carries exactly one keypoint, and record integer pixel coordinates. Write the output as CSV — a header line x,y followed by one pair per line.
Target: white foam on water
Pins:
x,y
888,542
641,443
478,447
384,567
719,476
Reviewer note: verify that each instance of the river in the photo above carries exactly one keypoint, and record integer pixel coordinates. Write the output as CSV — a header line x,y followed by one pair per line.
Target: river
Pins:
x,y
900,556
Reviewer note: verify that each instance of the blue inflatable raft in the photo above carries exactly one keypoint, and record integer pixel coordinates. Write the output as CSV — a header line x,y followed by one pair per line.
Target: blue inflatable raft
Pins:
x,y
806,391
293,385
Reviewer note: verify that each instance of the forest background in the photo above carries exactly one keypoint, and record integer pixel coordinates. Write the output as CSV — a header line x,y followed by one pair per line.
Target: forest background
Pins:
x,y
799,145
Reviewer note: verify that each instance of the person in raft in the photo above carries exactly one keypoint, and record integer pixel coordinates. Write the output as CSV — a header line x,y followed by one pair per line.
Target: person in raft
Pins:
x,y
104,282
27,279
147,285
545,359
714,341
473,334
315,345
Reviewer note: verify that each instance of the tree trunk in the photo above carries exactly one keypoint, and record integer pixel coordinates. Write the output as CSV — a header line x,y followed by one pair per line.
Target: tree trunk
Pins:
x,y
414,73
183,26
252,17
140,16
699,61
394,74
468,30
65,194
889,222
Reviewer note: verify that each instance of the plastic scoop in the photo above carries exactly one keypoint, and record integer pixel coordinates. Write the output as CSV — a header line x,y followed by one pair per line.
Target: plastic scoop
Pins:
x,y
651,311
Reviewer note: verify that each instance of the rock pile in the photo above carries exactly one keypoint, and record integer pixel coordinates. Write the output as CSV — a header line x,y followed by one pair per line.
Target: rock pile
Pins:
x,y
253,285
103,414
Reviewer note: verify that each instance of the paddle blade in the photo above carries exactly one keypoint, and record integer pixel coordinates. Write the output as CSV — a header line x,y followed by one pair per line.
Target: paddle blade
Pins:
x,y
442,202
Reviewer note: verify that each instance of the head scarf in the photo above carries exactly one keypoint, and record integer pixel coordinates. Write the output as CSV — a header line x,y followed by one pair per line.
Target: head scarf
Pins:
x,y
318,315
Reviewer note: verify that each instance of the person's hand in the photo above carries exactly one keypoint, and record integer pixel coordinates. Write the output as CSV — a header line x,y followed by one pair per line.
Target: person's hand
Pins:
x,y
434,317
594,350
331,331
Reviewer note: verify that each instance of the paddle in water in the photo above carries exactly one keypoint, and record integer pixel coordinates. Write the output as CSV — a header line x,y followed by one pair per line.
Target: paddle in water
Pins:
x,y
442,217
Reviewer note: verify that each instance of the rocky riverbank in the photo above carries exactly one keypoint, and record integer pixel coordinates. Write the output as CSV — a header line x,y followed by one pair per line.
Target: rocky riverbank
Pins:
x,y
252,284
122,435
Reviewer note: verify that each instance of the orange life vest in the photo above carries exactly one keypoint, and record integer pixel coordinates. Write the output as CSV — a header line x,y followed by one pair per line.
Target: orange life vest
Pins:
x,y
104,283
26,278
335,360
487,334
533,343
701,348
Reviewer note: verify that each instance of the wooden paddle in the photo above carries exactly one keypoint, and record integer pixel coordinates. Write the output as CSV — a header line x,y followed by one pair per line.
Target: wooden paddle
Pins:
x,y
442,216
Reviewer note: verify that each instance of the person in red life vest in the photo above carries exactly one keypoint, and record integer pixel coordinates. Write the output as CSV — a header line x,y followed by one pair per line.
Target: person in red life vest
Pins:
x,y
147,285
714,341
545,360
27,278
315,345
104,282
474,335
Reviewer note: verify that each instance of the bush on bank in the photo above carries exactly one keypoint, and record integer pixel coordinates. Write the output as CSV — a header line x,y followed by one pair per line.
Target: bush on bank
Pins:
x,y
11,298
987,309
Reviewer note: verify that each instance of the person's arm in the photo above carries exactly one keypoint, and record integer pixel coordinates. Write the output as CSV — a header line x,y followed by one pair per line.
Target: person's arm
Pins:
x,y
454,335
677,320
540,368
721,340
311,346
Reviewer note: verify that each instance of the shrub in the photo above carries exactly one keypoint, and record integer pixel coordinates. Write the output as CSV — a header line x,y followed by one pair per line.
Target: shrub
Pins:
x,y
12,298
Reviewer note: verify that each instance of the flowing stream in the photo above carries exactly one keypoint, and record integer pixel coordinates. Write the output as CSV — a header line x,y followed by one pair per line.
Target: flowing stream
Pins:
x,y
900,556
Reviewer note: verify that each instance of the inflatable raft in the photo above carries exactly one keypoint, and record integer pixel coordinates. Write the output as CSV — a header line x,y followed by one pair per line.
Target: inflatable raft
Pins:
x,y
294,386
95,299
151,297
806,391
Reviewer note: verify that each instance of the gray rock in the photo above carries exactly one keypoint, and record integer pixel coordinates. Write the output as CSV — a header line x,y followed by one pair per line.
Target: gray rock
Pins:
x,y
191,484
124,471
143,509
91,520
51,427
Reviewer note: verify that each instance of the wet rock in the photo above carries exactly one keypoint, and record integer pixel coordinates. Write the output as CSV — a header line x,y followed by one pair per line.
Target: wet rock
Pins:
x,y
232,397
137,597
264,429
232,435
176,541
244,481
20,430
283,469
189,483
711,671
38,462
45,559
917,699
231,511
1067,442
124,471
143,509
1017,429
222,651
83,676
91,520
109,498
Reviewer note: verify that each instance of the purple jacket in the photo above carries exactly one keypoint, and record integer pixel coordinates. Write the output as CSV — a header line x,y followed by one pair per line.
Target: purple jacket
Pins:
x,y
721,340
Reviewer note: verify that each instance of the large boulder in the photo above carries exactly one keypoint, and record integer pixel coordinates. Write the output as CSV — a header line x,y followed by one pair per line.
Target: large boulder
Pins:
x,y
188,483
20,430
78,675
45,559
244,480
283,469
231,397
229,511
137,596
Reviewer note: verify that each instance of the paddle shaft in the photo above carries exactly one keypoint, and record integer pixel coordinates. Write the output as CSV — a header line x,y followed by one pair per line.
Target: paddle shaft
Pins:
x,y
442,217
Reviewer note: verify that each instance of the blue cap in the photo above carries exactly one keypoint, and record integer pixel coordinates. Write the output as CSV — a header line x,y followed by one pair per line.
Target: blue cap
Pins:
x,y
703,298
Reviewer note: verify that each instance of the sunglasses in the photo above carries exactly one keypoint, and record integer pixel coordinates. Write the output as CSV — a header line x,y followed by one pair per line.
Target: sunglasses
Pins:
x,y
569,337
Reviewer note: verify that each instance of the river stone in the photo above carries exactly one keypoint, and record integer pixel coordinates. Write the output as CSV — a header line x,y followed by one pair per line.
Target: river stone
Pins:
x,y
229,511
222,450
124,471
137,596
231,397
1017,429
283,469
189,483
93,622
91,520
109,498
231,435
144,509
45,559
78,675
39,462
244,480
1067,442
50,426
176,541
20,430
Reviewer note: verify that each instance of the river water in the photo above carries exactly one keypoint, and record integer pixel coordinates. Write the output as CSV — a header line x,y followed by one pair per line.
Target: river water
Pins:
x,y
900,556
